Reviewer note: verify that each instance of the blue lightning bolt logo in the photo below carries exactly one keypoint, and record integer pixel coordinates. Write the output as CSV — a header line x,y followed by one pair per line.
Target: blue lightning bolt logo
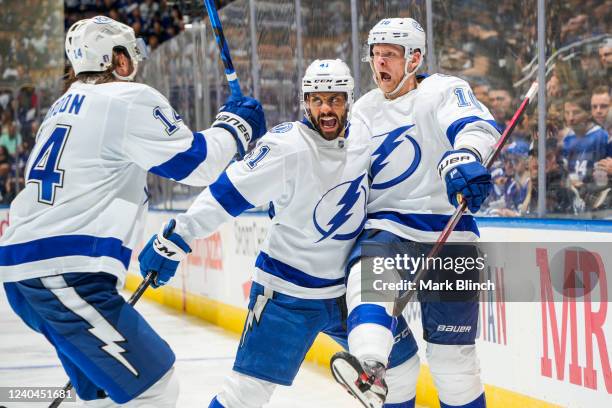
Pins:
x,y
391,141
346,204
256,312
99,326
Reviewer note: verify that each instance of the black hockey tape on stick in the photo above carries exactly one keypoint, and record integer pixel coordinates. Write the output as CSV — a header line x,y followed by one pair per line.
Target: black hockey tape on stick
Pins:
x,y
402,300
132,301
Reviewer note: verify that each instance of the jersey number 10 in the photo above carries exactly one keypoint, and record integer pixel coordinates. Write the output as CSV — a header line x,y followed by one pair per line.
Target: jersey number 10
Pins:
x,y
45,169
463,101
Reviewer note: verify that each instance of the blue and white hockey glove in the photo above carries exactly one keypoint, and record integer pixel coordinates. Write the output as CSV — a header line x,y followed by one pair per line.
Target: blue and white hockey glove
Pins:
x,y
464,174
244,118
162,254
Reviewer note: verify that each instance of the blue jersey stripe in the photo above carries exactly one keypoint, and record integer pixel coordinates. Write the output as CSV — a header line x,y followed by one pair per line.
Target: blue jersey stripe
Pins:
x,y
228,196
183,164
458,125
426,222
293,275
65,245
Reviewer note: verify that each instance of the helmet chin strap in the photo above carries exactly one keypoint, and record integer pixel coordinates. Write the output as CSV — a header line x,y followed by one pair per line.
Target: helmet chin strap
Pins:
x,y
398,88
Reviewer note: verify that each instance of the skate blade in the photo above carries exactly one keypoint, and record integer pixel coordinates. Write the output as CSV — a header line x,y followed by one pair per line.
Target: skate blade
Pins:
x,y
346,374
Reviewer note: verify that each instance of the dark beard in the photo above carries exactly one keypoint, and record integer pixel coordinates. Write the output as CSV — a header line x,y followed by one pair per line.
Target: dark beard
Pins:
x,y
341,125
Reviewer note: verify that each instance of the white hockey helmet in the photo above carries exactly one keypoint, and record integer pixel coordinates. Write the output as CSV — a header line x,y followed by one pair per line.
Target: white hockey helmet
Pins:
x,y
405,32
328,76
90,44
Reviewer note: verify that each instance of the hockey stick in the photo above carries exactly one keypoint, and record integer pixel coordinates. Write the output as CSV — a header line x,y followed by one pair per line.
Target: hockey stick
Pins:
x,y
404,298
132,301
230,72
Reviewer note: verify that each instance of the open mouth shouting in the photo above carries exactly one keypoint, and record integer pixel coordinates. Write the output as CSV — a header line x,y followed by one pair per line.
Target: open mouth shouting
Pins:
x,y
329,123
384,77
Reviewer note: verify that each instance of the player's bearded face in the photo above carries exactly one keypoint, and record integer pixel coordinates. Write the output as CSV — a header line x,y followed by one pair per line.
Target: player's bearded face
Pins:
x,y
328,112
389,63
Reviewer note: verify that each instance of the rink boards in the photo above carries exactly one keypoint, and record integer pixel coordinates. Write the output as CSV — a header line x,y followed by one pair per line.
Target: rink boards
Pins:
x,y
533,354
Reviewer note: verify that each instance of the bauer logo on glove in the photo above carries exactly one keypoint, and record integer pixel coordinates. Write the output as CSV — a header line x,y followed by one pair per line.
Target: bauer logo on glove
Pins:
x,y
244,118
236,122
461,157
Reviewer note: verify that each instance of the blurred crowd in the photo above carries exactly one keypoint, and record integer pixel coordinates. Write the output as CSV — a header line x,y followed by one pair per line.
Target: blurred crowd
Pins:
x,y
155,21
493,45
31,65
496,52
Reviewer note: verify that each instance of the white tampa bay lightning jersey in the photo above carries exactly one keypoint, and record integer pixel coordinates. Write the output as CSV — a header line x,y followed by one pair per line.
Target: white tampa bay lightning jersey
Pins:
x,y
409,135
84,203
318,193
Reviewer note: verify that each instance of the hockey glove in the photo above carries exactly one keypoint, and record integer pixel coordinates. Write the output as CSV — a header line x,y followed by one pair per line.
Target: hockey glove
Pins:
x,y
162,254
244,118
465,175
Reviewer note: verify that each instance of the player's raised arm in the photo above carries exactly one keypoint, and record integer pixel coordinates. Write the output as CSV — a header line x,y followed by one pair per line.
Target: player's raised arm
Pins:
x,y
264,175
158,140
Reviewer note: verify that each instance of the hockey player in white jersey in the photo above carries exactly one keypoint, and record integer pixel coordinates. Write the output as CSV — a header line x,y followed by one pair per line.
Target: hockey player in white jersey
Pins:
x,y
416,123
314,174
73,227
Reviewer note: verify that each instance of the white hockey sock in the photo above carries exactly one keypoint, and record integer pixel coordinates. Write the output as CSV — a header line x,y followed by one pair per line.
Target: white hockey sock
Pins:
x,y
456,372
402,381
370,337
244,391
162,394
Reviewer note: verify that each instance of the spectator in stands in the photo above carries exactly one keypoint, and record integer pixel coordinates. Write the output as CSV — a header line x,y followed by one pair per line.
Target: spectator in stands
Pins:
x,y
151,19
605,55
518,194
600,107
6,162
553,88
462,63
597,195
10,138
496,204
501,106
5,99
148,8
607,162
481,92
575,29
559,198
153,41
586,143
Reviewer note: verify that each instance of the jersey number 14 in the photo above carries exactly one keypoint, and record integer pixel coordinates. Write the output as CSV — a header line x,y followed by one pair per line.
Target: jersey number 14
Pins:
x,y
45,169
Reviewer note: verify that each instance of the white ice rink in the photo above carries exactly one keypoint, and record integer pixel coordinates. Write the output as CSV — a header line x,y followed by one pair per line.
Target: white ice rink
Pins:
x,y
204,356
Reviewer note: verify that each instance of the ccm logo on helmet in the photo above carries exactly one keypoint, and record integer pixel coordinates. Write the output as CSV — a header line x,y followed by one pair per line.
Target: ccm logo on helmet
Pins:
x,y
222,117
454,159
